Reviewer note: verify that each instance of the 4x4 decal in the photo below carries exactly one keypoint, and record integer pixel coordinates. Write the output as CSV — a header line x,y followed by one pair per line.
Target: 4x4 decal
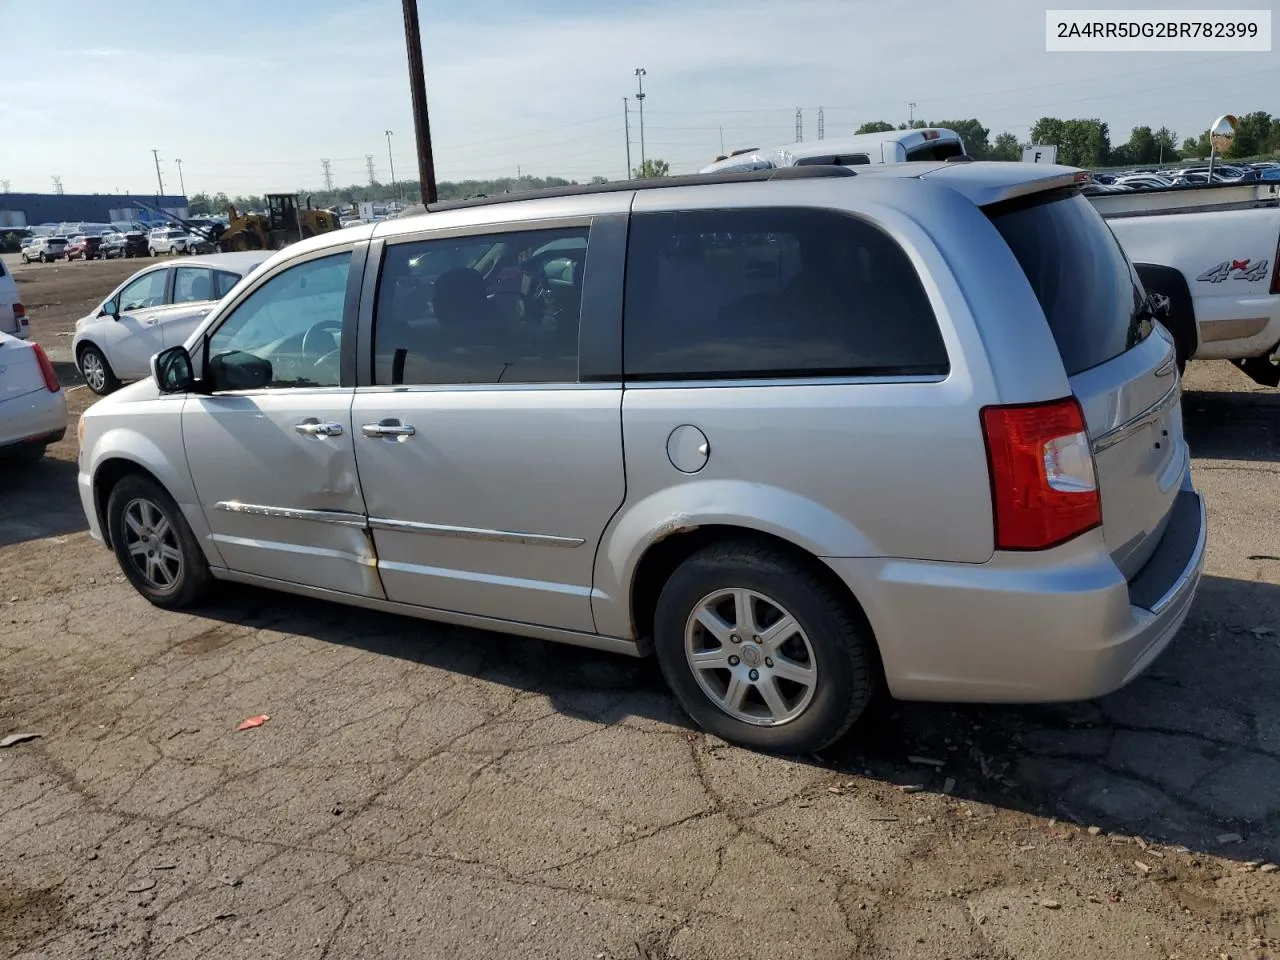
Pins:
x,y
1243,270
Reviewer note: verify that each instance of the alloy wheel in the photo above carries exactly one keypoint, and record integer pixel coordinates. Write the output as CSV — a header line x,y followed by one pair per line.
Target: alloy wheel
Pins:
x,y
152,544
750,656
94,371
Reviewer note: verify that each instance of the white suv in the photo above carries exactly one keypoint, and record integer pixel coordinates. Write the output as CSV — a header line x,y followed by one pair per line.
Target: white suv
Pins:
x,y
168,240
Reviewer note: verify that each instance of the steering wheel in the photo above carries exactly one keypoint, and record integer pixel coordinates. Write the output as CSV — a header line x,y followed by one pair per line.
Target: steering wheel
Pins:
x,y
324,326
532,304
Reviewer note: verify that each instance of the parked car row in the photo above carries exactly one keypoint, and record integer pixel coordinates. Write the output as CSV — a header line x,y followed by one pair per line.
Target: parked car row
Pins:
x,y
675,420
1151,179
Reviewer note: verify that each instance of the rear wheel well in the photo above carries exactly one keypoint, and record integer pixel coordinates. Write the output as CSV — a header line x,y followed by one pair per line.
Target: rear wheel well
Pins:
x,y
105,478
1181,321
663,557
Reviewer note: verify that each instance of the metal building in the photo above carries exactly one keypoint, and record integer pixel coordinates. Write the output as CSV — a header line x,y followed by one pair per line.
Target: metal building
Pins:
x,y
33,209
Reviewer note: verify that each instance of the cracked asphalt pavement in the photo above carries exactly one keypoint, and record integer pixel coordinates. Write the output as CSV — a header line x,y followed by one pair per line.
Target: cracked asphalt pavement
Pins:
x,y
429,791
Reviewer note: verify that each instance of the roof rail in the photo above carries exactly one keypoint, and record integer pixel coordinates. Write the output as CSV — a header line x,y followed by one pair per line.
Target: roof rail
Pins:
x,y
814,171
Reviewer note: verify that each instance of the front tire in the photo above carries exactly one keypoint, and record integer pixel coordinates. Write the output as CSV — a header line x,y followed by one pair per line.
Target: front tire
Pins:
x,y
153,544
96,371
761,651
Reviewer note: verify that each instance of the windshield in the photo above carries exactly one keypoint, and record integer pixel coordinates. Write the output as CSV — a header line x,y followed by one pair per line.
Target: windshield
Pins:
x,y
1090,294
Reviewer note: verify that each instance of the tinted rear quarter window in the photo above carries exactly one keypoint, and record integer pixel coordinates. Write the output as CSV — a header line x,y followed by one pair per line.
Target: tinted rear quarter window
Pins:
x,y
1084,282
773,292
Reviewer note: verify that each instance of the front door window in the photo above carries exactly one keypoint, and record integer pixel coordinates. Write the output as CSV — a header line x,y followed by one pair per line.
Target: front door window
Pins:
x,y
287,333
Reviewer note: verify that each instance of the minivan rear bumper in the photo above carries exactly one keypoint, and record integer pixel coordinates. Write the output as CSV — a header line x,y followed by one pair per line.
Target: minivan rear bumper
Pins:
x,y
1060,625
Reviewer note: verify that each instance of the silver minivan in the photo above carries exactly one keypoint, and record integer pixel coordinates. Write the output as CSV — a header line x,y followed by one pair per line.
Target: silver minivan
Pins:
x,y
801,433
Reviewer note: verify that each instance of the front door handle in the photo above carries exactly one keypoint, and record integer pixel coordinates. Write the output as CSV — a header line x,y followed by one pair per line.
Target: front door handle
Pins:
x,y
314,428
389,427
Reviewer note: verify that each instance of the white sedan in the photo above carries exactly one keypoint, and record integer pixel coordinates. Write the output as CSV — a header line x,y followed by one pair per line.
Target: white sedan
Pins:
x,y
33,408
158,307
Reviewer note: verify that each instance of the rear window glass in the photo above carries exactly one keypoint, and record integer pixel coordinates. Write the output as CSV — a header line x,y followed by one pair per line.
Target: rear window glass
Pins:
x,y
773,291
936,150
1086,287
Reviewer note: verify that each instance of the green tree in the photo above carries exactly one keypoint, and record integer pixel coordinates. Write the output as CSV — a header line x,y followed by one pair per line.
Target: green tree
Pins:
x,y
1142,146
599,179
1273,141
1253,135
1196,147
1167,144
1048,130
875,126
652,168
1005,147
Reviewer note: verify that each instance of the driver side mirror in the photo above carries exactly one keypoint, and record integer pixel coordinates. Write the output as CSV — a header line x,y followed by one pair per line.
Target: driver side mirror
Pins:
x,y
110,309
172,370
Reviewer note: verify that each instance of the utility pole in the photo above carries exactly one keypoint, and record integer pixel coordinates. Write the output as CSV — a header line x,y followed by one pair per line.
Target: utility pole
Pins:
x,y
418,90
393,167
57,186
368,164
328,174
722,141
821,125
156,154
799,125
182,184
911,113
626,124
640,75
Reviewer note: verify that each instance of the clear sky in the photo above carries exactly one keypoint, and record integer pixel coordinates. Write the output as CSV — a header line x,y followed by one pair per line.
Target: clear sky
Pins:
x,y
252,94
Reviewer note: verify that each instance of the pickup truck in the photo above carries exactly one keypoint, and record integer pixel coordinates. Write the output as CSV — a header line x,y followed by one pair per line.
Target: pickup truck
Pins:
x,y
1213,251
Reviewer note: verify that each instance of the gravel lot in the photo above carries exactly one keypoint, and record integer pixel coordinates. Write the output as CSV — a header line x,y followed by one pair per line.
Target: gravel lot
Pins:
x,y
425,791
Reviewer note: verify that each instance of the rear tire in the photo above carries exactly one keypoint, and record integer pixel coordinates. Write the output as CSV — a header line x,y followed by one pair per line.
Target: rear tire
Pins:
x,y
96,371
793,693
154,545
1261,370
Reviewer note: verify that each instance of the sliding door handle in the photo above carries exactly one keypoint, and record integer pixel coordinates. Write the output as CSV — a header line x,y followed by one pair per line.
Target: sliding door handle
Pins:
x,y
388,428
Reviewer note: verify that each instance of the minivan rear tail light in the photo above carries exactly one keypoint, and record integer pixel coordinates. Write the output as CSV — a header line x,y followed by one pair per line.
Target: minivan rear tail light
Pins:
x,y
1044,489
46,369
20,313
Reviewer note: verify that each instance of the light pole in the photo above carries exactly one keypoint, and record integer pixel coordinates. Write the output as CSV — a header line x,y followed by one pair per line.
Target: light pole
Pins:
x,y
393,167
640,75
182,184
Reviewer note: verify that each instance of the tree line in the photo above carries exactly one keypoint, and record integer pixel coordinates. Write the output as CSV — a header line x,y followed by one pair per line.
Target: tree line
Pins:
x,y
1081,142
1087,142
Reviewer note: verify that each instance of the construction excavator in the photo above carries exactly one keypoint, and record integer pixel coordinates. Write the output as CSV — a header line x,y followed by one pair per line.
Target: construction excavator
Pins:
x,y
284,223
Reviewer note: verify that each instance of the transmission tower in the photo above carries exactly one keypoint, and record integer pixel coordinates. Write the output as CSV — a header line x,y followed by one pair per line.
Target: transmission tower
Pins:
x,y
822,130
799,125
328,175
57,185
4,186
368,163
